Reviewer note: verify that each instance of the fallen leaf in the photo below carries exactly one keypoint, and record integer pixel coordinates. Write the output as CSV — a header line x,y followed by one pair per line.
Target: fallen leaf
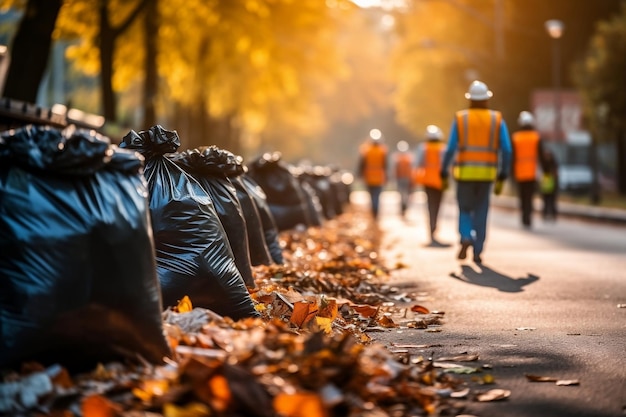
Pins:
x,y
493,395
419,309
538,378
98,406
303,312
300,404
567,382
184,305
194,409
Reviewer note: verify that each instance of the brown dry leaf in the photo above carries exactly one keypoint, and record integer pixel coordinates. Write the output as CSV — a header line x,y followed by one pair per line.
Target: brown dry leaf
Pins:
x,y
365,310
303,312
386,321
98,406
539,378
416,308
494,395
301,404
328,308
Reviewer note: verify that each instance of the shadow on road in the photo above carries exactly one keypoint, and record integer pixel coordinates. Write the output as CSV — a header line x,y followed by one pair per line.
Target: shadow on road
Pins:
x,y
437,244
487,277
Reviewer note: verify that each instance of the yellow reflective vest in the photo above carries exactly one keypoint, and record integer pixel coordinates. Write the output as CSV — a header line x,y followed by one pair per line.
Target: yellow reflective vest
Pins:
x,y
479,138
525,149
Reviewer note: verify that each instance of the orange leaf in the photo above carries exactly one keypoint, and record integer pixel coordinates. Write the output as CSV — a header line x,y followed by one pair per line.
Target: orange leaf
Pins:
x,y
366,310
328,308
303,312
299,405
184,305
98,406
420,309
221,395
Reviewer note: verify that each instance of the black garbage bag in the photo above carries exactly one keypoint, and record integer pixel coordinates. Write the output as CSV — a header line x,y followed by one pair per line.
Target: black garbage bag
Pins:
x,y
286,198
313,201
259,250
270,230
319,178
193,255
209,166
78,281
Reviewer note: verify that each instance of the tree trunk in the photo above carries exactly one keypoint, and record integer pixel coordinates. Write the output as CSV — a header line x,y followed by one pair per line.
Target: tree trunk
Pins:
x,y
30,50
108,36
150,89
621,161
107,44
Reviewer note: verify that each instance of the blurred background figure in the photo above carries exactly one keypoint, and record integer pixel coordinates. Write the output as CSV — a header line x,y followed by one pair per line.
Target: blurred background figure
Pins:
x,y
403,167
372,167
429,157
527,153
549,185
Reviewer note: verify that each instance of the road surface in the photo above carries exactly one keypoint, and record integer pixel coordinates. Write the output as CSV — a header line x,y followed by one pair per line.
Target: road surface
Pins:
x,y
547,301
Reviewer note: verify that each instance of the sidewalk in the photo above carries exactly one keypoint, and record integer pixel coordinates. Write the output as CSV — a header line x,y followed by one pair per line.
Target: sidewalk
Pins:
x,y
581,211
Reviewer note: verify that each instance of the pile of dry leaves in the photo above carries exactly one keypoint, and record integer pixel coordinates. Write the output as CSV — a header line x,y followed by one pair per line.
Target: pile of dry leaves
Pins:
x,y
309,355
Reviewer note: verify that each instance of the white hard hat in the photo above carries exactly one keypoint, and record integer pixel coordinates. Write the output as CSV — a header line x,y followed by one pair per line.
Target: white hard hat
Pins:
x,y
403,146
433,132
526,118
477,91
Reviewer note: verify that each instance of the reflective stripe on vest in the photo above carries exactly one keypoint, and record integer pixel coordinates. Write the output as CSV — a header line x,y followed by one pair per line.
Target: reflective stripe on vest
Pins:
x,y
432,164
525,145
404,165
479,136
374,169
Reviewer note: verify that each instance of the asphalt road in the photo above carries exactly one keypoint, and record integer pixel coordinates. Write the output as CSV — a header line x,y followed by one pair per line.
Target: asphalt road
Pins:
x,y
546,301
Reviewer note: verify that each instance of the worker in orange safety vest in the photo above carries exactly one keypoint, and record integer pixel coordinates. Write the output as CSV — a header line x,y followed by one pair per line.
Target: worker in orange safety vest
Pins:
x,y
372,168
527,153
403,169
479,138
429,158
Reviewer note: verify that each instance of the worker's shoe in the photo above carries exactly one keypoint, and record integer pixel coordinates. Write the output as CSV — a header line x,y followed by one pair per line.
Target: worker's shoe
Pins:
x,y
477,259
465,244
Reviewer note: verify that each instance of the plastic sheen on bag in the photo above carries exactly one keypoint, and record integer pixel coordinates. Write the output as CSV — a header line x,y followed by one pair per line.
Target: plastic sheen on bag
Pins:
x,y
208,166
78,280
193,255
270,230
285,196
259,250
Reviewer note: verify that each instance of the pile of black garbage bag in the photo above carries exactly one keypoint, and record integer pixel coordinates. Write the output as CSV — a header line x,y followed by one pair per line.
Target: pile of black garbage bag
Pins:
x,y
97,239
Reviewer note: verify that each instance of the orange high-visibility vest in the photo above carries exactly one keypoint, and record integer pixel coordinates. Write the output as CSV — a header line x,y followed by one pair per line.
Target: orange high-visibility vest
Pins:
x,y
432,164
525,148
479,137
404,165
374,157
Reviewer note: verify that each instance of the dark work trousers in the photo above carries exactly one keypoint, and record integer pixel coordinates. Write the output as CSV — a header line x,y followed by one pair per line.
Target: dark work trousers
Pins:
x,y
526,191
549,206
433,199
375,191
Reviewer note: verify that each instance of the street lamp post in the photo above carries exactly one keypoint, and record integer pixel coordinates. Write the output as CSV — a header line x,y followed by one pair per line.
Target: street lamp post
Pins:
x,y
555,29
